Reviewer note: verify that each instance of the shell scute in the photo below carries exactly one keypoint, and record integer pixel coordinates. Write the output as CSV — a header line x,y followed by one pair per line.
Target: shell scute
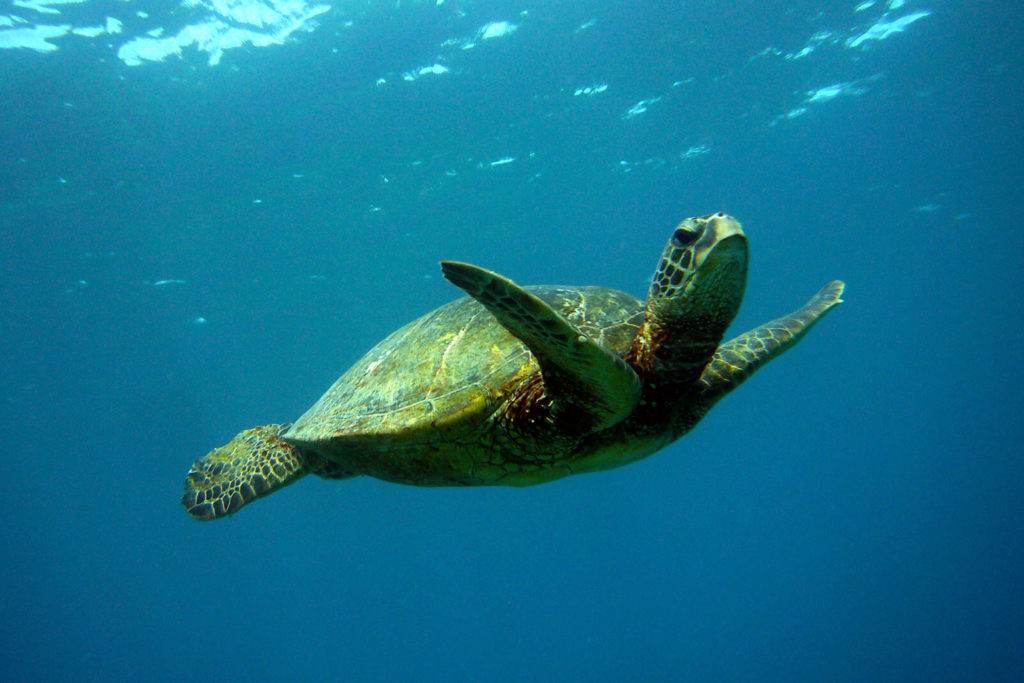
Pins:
x,y
453,366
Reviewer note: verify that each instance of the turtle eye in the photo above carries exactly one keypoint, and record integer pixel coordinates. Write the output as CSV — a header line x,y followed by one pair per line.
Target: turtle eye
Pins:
x,y
684,238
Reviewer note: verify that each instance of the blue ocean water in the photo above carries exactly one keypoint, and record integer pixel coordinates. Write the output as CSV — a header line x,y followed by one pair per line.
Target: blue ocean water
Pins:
x,y
199,234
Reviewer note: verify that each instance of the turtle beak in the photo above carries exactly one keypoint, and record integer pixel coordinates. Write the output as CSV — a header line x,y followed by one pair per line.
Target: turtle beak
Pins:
x,y
712,294
722,244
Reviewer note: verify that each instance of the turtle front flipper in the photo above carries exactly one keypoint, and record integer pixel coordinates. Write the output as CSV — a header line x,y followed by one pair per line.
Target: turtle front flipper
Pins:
x,y
589,385
739,358
255,463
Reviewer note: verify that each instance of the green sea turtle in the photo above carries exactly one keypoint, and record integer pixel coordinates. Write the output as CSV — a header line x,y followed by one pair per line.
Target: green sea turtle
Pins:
x,y
522,385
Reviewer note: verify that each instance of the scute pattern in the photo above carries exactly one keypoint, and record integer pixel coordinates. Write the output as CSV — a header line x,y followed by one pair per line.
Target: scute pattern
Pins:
x,y
677,259
256,462
586,386
454,364
739,358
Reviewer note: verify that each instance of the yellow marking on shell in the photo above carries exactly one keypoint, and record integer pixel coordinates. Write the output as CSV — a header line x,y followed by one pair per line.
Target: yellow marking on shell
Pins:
x,y
474,405
442,364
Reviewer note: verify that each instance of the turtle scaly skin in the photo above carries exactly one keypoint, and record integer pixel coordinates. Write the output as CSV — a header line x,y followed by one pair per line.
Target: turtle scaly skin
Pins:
x,y
520,386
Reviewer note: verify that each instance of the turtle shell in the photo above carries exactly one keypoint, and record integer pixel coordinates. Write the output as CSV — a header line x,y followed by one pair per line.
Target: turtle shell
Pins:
x,y
454,366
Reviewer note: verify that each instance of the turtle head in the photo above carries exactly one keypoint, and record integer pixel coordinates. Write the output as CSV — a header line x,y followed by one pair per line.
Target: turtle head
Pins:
x,y
704,256
694,295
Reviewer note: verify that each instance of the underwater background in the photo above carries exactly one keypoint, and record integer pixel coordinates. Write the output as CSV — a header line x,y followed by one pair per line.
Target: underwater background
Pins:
x,y
209,210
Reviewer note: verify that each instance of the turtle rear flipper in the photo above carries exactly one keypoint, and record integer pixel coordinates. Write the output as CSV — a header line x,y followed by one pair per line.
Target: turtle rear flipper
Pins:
x,y
739,358
591,386
255,463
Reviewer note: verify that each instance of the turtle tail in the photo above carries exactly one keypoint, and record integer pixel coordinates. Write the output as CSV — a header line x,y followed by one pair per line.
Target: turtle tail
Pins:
x,y
255,463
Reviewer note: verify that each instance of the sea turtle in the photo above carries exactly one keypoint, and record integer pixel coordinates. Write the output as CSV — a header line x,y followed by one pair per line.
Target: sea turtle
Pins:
x,y
522,385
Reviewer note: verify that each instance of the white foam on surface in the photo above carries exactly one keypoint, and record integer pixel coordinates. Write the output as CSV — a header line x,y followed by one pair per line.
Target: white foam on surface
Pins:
x,y
111,26
813,43
89,31
883,29
694,151
33,37
432,70
496,29
229,24
215,27
639,108
826,93
585,25
590,90
44,6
